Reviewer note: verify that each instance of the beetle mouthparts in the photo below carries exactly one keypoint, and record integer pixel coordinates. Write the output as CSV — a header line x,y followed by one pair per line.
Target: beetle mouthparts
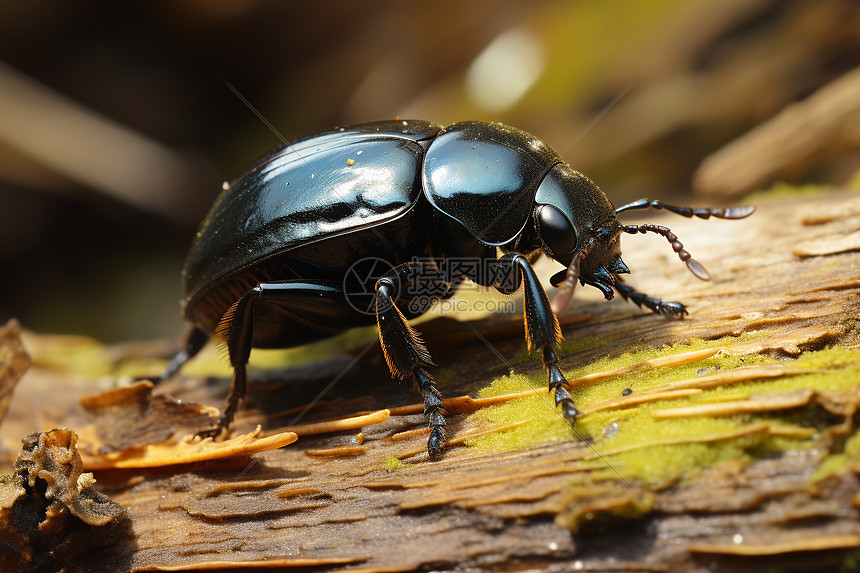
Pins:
x,y
571,276
618,267
563,298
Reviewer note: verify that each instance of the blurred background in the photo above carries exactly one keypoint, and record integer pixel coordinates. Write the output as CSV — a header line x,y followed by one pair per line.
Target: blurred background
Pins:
x,y
120,120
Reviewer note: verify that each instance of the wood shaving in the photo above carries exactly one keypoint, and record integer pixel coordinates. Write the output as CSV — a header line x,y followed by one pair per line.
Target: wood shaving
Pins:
x,y
805,544
828,245
763,403
188,451
339,425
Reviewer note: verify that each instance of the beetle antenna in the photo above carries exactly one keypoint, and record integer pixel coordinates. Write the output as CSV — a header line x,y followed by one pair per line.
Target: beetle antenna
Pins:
x,y
695,266
738,212
565,290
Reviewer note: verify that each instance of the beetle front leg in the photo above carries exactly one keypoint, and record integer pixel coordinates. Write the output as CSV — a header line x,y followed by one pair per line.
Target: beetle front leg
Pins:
x,y
656,305
407,356
542,329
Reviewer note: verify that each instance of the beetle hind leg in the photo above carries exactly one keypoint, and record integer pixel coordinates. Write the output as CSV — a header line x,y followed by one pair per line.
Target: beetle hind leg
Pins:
x,y
655,305
236,329
195,340
407,356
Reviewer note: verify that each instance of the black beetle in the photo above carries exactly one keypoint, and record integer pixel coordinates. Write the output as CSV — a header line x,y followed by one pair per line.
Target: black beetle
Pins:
x,y
286,251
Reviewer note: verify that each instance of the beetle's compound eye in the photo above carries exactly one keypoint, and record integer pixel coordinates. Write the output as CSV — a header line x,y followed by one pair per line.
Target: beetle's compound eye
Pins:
x,y
555,230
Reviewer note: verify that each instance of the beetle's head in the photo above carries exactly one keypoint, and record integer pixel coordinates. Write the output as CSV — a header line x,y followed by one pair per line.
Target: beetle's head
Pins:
x,y
598,263
576,225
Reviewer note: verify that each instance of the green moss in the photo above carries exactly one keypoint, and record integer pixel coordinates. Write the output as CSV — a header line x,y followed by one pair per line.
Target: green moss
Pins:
x,y
580,344
392,464
658,463
633,449
838,463
511,383
545,424
832,357
523,356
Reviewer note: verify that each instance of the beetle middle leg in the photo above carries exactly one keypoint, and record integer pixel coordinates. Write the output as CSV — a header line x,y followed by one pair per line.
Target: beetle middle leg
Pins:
x,y
405,352
542,329
656,305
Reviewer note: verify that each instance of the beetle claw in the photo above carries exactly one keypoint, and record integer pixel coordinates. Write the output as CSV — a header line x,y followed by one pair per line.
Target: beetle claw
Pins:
x,y
436,444
220,427
210,433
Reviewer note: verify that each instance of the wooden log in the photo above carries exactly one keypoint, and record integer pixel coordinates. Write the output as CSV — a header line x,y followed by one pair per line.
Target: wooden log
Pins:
x,y
744,491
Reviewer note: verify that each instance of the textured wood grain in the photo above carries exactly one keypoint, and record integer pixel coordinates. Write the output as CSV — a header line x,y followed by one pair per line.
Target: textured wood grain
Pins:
x,y
369,499
820,128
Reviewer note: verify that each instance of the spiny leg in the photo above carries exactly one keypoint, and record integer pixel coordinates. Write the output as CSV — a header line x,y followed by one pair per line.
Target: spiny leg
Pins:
x,y
236,330
542,329
195,339
656,305
407,356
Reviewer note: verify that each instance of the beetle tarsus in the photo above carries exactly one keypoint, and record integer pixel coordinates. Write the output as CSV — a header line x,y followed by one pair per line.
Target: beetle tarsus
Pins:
x,y
238,389
436,444
236,331
655,305
211,432
558,383
433,409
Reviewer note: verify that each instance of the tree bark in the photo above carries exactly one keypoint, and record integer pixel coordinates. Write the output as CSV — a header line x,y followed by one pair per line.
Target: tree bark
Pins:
x,y
784,286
